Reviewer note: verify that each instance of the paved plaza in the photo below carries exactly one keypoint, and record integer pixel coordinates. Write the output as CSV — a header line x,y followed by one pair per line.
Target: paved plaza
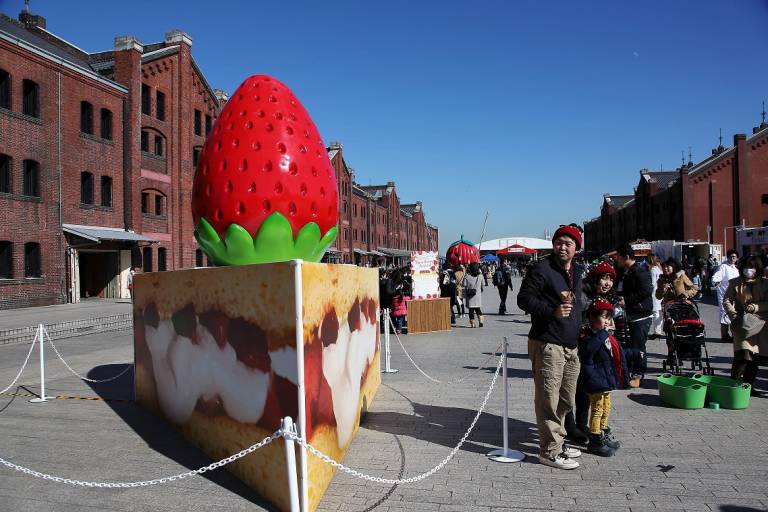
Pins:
x,y
670,459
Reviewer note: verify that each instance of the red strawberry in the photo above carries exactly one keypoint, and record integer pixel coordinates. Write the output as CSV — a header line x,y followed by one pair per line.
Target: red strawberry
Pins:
x,y
264,172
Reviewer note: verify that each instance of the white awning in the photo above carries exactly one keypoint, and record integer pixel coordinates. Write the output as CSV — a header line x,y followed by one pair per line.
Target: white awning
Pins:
x,y
99,234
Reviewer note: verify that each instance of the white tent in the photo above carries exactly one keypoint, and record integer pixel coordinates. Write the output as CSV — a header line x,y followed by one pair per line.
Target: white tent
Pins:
x,y
501,243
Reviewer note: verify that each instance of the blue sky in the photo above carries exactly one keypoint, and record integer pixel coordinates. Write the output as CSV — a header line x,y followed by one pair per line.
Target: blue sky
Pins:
x,y
529,111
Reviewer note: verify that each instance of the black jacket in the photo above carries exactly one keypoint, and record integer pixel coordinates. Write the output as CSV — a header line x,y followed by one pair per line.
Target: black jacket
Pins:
x,y
540,295
637,290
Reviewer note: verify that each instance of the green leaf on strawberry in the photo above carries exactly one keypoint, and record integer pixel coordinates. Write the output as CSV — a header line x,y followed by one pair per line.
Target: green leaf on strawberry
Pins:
x,y
273,242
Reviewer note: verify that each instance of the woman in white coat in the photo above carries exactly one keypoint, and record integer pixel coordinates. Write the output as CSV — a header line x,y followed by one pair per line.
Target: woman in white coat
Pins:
x,y
725,272
657,325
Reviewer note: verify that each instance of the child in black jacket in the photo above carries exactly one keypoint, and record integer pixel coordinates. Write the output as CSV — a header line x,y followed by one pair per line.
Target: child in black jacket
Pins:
x,y
603,369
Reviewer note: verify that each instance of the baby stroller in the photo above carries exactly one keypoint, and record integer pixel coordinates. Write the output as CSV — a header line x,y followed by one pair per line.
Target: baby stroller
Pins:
x,y
685,337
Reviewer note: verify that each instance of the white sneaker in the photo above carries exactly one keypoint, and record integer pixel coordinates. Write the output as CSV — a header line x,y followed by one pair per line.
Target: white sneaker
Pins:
x,y
559,462
570,452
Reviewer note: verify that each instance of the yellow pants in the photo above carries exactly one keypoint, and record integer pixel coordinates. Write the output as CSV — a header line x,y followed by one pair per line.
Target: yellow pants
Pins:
x,y
599,410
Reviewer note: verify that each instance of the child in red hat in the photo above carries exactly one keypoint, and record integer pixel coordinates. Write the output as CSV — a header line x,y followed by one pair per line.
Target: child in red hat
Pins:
x,y
602,371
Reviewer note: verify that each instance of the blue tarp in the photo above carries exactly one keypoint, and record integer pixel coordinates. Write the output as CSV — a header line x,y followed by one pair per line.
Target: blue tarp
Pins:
x,y
489,257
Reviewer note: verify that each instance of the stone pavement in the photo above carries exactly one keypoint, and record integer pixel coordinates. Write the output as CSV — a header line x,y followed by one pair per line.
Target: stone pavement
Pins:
x,y
670,460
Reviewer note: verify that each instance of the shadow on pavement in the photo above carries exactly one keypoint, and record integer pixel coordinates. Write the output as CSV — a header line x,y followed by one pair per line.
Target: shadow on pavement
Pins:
x,y
158,434
738,508
445,426
646,399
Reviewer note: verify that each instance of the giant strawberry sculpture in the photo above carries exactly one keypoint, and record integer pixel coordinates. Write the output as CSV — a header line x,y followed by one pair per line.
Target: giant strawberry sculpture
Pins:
x,y
264,188
462,252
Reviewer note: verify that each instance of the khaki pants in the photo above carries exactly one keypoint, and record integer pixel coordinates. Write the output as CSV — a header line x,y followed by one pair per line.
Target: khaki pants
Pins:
x,y
555,372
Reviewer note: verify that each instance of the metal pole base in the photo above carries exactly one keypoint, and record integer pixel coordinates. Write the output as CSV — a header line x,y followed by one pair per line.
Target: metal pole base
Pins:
x,y
391,370
40,400
508,456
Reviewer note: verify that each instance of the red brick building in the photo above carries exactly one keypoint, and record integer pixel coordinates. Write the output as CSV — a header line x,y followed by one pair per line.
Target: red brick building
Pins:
x,y
97,155
97,159
374,226
705,201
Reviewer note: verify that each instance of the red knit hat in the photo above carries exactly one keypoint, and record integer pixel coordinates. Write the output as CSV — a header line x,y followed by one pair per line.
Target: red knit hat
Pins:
x,y
602,269
598,306
570,231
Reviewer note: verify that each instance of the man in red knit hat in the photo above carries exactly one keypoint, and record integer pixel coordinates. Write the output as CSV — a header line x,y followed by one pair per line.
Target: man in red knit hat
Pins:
x,y
551,293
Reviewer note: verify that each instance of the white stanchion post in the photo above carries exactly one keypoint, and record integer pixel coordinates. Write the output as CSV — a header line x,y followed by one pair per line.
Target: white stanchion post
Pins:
x,y
387,353
505,454
41,339
290,464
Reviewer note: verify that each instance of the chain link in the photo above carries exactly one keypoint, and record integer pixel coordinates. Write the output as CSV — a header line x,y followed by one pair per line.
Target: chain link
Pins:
x,y
438,381
122,485
26,360
50,342
397,481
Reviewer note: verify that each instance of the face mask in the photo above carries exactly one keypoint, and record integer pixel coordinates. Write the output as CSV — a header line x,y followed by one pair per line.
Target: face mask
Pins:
x,y
749,273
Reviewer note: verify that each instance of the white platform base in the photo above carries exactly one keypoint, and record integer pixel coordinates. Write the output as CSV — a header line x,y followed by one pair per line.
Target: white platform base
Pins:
x,y
506,456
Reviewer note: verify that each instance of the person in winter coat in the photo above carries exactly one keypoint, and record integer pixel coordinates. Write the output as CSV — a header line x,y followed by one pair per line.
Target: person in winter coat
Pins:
x,y
399,303
657,323
473,294
724,273
551,294
636,293
748,293
599,284
502,280
602,371
461,308
448,290
674,284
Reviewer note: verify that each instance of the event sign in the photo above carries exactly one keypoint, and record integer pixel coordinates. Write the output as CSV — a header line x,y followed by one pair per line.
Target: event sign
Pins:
x,y
424,265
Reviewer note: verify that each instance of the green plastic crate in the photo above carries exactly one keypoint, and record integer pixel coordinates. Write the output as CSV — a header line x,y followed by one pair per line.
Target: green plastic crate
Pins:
x,y
681,392
729,393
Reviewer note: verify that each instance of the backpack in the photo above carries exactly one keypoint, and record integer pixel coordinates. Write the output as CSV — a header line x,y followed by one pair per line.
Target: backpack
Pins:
x,y
498,278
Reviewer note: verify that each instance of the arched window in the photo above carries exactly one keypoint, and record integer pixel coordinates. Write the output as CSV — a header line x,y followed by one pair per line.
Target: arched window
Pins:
x,y
106,124
5,89
86,188
31,178
198,257
153,202
86,117
5,173
161,263
146,259
152,141
32,260
31,93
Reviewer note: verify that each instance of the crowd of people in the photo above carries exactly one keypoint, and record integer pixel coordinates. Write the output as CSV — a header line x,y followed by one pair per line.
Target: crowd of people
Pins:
x,y
590,325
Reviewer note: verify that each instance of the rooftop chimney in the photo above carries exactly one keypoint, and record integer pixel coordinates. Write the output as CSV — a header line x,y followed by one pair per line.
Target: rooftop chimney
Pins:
x,y
31,20
176,37
334,144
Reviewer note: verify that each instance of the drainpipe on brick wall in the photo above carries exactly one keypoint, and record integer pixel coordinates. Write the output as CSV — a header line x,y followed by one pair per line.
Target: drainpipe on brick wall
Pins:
x,y
127,203
63,288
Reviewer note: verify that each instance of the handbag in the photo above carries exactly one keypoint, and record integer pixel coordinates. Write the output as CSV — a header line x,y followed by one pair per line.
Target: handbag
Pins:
x,y
470,292
747,326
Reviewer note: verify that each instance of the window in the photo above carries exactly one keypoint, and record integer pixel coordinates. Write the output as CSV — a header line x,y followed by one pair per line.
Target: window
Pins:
x,y
198,257
161,259
208,122
158,145
106,124
31,178
6,259
344,206
160,106
158,204
86,188
195,156
354,235
5,173
146,259
145,101
86,117
145,202
354,210
198,122
31,92
32,259
145,141
346,234
106,191
764,199
5,89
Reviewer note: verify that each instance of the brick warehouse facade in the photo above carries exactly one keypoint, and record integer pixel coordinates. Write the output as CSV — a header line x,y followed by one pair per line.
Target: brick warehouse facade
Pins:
x,y
97,158
703,201
374,226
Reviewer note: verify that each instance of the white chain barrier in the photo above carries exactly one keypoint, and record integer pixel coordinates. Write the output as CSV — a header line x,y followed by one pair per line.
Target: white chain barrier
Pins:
x,y
21,370
438,381
144,483
50,342
397,481
287,433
